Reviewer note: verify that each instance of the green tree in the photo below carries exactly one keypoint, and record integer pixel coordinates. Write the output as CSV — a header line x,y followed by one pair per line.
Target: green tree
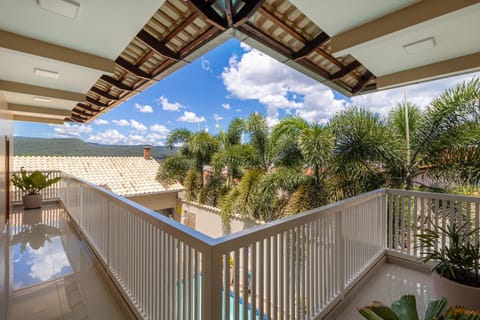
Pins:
x,y
441,136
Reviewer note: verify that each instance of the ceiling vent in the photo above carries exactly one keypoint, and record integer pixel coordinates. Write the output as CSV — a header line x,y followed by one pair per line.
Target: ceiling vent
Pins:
x,y
64,8
420,45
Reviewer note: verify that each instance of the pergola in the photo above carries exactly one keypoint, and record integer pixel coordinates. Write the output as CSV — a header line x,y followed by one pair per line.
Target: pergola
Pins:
x,y
73,60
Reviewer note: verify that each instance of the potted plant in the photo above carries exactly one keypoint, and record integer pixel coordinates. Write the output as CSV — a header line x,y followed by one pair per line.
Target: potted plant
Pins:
x,y
456,273
406,309
31,185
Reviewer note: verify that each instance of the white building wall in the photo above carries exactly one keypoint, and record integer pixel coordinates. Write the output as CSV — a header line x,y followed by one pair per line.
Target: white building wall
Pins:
x,y
208,220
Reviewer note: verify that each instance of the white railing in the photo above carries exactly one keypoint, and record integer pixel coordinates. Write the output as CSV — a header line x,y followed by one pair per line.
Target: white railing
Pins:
x,y
410,213
163,267
293,268
298,267
48,193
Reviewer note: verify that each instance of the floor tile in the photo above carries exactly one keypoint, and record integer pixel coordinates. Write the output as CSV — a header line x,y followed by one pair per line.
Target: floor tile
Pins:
x,y
54,274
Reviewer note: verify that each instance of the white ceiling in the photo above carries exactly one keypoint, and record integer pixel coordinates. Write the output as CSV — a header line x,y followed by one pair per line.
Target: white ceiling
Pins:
x,y
19,67
103,27
27,99
337,16
456,34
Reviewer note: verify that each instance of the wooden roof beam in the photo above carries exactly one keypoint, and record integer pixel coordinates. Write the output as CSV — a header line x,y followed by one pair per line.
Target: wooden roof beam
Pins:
x,y
345,70
362,83
78,118
311,46
248,10
206,10
87,108
96,102
104,94
115,83
157,46
416,13
127,66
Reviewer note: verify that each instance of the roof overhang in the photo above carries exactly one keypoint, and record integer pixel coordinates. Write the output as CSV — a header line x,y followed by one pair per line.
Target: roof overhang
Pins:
x,y
354,47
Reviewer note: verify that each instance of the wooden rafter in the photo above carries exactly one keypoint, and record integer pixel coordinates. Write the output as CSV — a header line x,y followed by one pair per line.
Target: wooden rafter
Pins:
x,y
87,107
127,66
205,9
78,118
228,12
185,23
265,39
248,10
157,46
96,102
115,83
311,46
364,79
104,94
345,70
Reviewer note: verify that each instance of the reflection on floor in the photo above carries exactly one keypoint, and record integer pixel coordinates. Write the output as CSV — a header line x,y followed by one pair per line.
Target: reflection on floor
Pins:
x,y
389,284
52,274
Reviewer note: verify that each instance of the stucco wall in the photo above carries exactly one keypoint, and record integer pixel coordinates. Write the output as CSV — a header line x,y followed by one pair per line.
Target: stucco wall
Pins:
x,y
157,201
208,220
6,130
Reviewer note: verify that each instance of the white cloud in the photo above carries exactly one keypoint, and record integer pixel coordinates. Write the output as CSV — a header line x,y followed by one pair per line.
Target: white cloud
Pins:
x,y
156,139
169,106
216,117
144,108
121,123
100,122
110,136
226,106
135,139
205,64
68,130
238,110
420,94
256,76
191,117
138,126
159,129
245,46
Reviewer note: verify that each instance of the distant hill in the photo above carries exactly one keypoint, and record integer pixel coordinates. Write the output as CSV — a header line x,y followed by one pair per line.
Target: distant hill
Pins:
x,y
24,146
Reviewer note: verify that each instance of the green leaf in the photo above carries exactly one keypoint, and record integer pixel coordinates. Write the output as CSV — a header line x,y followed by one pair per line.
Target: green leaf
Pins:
x,y
406,308
376,311
436,309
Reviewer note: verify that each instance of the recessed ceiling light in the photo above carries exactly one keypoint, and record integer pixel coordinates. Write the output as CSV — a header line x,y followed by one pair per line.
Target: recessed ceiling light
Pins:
x,y
46,73
66,8
42,99
420,45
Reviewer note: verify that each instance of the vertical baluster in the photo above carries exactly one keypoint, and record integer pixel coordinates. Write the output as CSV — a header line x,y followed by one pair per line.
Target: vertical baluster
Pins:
x,y
226,286
415,229
437,214
253,292
268,275
245,283
261,279
236,285
197,286
281,274
273,275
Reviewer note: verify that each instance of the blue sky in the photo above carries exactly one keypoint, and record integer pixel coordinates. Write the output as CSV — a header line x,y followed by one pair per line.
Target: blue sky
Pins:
x,y
233,80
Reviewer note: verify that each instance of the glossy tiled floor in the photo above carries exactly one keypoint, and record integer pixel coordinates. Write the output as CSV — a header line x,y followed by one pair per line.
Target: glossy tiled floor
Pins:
x,y
52,273
389,284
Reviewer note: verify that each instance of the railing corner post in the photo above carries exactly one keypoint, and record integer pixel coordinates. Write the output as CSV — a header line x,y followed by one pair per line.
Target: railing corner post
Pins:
x,y
212,286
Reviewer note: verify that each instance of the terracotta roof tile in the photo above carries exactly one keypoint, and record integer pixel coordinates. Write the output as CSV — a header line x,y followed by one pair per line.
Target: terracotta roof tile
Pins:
x,y
126,176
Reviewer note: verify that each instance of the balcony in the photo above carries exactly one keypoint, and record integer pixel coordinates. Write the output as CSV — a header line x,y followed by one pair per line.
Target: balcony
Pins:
x,y
323,263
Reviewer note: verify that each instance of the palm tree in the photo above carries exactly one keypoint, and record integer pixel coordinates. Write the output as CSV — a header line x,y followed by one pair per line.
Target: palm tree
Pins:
x,y
448,129
366,152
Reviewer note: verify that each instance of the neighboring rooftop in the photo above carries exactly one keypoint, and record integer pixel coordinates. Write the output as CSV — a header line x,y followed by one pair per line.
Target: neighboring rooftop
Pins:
x,y
126,176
